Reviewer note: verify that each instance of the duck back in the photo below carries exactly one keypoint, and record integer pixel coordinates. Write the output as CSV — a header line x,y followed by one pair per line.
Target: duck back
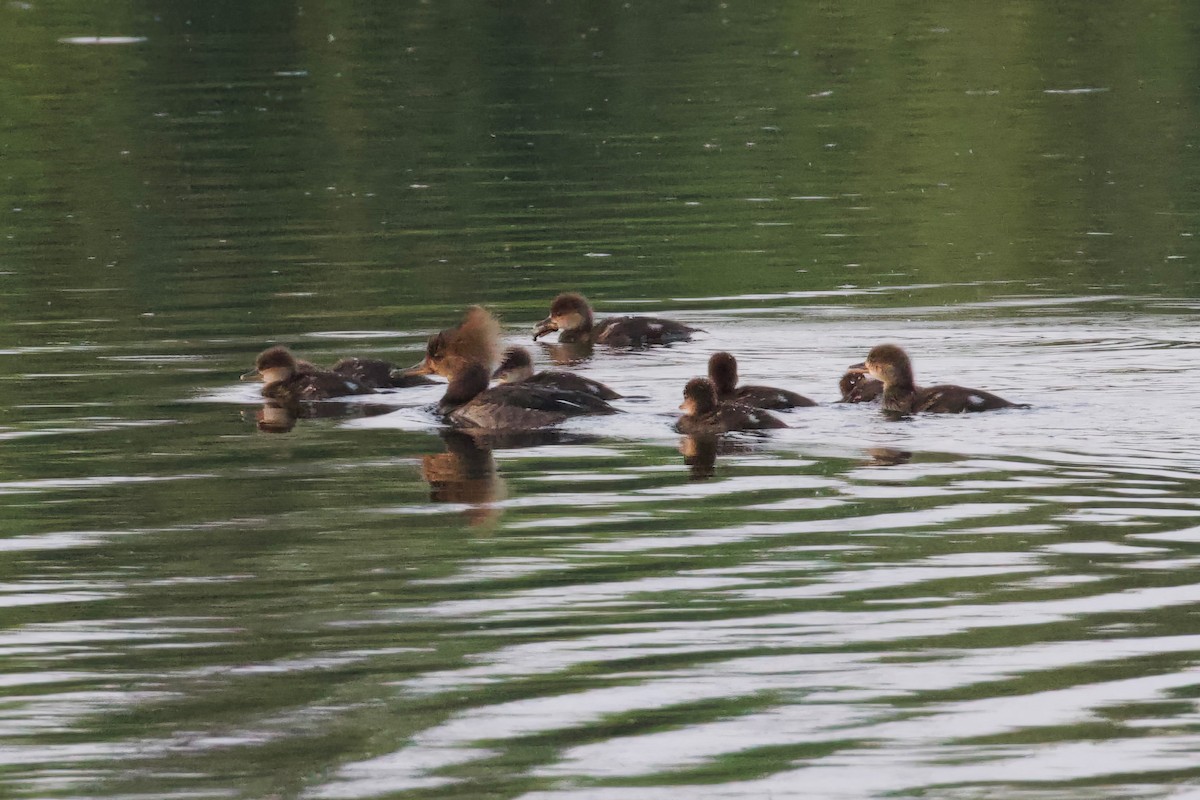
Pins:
x,y
570,382
729,417
951,399
522,406
639,331
769,397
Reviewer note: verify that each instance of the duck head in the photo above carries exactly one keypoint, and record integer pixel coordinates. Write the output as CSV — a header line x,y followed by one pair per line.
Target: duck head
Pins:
x,y
515,366
887,363
476,340
273,365
569,312
699,397
723,372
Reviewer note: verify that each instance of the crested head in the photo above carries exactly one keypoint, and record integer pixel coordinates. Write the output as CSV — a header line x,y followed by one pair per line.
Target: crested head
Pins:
x,y
890,364
699,396
476,340
722,371
464,386
516,365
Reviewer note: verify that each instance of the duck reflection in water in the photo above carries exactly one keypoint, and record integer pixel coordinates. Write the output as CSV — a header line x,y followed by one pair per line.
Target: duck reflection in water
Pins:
x,y
276,417
886,457
465,474
700,452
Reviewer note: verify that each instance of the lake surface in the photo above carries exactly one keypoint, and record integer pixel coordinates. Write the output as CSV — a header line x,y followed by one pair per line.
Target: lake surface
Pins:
x,y
367,606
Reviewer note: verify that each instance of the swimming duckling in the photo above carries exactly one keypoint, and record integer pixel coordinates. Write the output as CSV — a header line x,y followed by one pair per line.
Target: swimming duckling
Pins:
x,y
469,403
703,413
723,372
378,374
891,365
289,380
517,367
858,387
571,315
476,340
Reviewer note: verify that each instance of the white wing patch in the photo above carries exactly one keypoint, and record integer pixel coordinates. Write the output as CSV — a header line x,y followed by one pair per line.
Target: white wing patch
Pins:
x,y
975,400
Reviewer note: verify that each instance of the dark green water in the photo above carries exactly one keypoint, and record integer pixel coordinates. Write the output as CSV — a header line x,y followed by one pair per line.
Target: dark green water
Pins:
x,y
999,606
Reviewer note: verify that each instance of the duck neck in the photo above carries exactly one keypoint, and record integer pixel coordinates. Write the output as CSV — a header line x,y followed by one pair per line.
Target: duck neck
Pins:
x,y
899,395
464,388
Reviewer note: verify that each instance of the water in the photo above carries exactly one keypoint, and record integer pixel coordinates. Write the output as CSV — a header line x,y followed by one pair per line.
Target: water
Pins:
x,y
985,606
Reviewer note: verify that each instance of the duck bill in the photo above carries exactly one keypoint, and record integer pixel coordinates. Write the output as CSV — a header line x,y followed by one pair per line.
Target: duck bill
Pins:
x,y
857,369
499,374
422,367
545,326
252,375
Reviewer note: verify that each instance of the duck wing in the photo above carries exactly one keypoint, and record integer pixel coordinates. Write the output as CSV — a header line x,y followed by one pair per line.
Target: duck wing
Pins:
x,y
518,406
570,382
950,399
638,331
770,397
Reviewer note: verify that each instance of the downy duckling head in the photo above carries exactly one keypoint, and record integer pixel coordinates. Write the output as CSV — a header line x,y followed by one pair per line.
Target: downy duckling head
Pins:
x,y
699,397
723,372
515,366
273,365
570,311
887,363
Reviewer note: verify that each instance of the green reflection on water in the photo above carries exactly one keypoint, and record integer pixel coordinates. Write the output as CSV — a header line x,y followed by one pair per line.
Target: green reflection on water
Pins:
x,y
263,171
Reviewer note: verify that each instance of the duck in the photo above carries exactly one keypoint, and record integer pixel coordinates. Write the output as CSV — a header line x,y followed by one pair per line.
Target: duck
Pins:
x,y
378,374
476,340
289,380
517,367
703,413
571,316
890,365
858,387
469,403
723,372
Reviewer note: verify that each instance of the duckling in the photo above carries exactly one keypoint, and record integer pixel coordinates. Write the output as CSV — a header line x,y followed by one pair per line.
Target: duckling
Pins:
x,y
378,374
572,316
517,367
858,387
289,380
469,403
891,365
704,414
723,372
476,340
